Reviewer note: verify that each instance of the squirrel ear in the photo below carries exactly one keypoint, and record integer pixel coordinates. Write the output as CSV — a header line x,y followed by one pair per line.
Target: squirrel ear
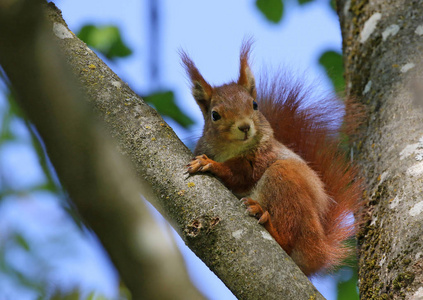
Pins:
x,y
201,90
246,77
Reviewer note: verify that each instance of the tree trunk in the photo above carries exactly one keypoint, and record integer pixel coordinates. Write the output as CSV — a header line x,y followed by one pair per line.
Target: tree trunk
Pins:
x,y
209,218
383,46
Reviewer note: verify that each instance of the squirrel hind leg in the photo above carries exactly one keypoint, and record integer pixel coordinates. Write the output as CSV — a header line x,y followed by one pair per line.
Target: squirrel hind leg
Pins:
x,y
308,256
253,207
255,210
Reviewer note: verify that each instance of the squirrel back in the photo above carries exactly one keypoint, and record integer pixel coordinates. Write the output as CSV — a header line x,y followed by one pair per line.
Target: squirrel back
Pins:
x,y
274,146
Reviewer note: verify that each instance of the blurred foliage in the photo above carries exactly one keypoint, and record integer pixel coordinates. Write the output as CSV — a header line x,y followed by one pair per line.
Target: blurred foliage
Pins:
x,y
271,9
333,4
334,67
108,41
76,295
12,112
105,39
165,104
347,290
347,276
15,242
21,241
72,295
301,2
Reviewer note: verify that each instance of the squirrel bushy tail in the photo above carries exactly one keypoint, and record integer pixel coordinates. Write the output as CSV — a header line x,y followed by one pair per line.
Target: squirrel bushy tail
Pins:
x,y
310,128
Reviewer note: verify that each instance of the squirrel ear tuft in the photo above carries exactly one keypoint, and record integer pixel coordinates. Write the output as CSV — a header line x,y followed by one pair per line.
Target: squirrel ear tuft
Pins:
x,y
201,90
246,77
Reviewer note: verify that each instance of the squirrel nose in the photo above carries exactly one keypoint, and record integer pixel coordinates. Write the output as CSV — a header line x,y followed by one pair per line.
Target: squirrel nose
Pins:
x,y
244,128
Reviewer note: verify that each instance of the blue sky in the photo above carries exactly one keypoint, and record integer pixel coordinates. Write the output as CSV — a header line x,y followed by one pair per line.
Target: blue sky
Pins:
x,y
211,32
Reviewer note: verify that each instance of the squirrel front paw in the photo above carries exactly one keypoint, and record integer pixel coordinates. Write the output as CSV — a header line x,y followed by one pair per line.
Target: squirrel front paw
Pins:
x,y
200,163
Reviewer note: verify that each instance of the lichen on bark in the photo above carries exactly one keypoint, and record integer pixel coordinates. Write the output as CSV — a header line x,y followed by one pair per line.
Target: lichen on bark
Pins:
x,y
390,254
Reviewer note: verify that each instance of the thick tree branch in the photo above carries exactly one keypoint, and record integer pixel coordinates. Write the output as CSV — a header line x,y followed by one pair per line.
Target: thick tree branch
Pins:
x,y
209,218
383,46
97,178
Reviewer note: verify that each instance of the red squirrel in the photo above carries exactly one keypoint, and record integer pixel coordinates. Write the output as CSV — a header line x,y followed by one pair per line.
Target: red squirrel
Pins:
x,y
280,154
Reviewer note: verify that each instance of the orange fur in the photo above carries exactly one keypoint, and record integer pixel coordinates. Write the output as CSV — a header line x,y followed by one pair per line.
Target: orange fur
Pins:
x,y
302,197
309,131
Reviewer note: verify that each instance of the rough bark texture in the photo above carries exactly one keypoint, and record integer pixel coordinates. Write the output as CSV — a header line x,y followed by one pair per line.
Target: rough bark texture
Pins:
x,y
383,46
98,179
209,218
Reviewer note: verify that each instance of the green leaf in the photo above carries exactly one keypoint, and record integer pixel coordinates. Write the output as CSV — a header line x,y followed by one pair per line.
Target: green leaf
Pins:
x,y
5,133
20,240
47,186
13,110
61,295
105,39
334,67
165,104
301,2
272,9
94,296
124,293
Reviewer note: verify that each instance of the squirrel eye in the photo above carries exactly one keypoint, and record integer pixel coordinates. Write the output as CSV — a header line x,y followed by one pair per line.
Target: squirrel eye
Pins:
x,y
215,115
255,105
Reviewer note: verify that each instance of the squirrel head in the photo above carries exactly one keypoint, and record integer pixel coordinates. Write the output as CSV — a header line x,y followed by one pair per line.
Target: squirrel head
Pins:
x,y
233,122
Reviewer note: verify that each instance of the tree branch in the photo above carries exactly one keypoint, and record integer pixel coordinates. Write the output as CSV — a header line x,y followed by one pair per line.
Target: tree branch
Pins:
x,y
100,182
208,217
383,48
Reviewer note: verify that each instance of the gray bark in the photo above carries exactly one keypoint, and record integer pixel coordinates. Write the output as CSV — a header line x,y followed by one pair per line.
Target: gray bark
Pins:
x,y
383,46
209,218
100,182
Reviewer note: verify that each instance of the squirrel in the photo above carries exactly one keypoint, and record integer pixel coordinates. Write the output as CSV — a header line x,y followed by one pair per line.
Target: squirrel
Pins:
x,y
280,155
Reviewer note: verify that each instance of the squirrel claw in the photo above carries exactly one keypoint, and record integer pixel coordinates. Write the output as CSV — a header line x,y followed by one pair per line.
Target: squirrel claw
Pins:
x,y
264,218
200,163
255,210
